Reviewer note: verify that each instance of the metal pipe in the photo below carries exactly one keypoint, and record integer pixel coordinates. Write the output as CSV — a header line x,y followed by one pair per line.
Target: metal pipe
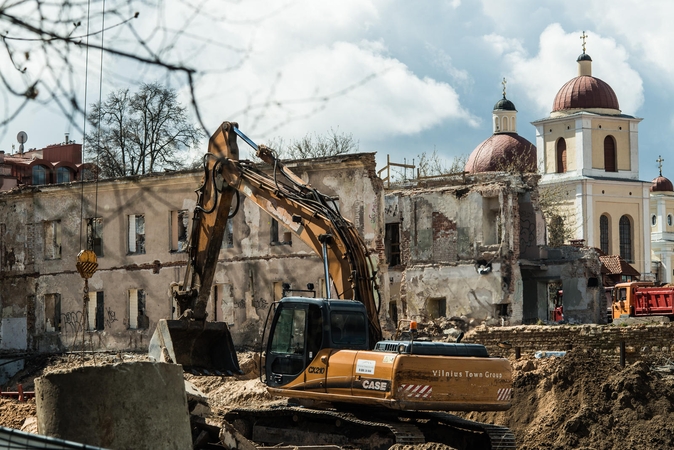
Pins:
x,y
325,268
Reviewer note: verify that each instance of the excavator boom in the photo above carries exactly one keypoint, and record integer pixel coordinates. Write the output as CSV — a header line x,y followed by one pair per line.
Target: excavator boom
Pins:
x,y
311,215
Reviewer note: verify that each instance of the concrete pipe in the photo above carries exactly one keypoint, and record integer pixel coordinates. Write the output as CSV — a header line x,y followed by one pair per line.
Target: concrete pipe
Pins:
x,y
140,405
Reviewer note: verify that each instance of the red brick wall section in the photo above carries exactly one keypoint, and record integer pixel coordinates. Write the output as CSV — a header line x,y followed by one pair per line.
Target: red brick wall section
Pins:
x,y
639,340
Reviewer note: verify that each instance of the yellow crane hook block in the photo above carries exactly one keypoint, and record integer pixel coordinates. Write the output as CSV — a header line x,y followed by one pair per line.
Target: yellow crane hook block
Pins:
x,y
86,263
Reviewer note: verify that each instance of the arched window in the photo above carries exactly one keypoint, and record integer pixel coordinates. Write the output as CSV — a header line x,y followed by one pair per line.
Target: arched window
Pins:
x,y
504,123
39,175
625,226
62,175
561,155
497,126
603,234
610,160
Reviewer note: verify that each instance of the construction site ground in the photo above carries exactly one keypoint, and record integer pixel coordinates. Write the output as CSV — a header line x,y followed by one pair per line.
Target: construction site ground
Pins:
x,y
583,400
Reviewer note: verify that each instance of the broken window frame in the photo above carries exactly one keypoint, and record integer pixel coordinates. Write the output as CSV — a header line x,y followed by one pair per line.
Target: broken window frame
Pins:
x,y
138,318
96,311
274,234
136,234
228,240
52,239
52,310
178,230
439,305
95,235
392,244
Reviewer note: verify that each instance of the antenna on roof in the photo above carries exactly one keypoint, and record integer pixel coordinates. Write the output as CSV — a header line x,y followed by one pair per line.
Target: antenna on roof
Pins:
x,y
21,138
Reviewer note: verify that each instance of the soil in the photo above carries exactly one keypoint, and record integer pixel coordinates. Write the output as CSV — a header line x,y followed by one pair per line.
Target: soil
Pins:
x,y
582,400
585,400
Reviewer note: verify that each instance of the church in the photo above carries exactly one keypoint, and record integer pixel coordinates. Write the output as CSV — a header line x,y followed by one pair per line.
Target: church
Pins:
x,y
588,154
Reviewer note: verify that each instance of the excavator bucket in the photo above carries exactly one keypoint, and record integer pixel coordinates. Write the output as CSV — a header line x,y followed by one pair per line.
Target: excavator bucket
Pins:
x,y
202,347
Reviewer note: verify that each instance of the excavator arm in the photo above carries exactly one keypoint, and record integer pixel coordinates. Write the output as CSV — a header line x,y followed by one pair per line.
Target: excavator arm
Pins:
x,y
312,216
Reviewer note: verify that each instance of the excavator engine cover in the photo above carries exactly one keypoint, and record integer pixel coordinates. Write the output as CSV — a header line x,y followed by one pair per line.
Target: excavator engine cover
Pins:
x,y
200,347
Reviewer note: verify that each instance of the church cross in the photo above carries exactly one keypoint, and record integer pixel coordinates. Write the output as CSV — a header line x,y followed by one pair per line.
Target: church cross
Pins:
x,y
583,37
504,82
659,161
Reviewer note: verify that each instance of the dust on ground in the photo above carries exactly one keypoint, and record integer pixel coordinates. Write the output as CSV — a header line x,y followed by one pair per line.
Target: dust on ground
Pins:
x,y
581,400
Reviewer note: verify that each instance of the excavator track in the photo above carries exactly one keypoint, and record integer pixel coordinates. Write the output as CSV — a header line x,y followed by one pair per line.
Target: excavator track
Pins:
x,y
365,428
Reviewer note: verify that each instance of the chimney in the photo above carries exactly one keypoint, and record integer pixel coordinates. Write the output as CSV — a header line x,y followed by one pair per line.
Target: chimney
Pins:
x,y
67,141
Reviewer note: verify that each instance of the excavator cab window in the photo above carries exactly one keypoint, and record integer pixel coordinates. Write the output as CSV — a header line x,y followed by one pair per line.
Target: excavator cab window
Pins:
x,y
295,341
348,328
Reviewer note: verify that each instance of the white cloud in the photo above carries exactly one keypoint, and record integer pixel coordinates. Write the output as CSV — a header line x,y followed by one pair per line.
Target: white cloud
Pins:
x,y
540,77
312,67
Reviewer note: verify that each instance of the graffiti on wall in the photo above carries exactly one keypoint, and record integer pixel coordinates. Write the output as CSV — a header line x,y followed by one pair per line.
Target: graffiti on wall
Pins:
x,y
73,322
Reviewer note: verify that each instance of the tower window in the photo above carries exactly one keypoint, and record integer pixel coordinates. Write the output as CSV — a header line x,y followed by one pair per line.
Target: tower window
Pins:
x,y
654,219
625,226
610,164
603,234
561,155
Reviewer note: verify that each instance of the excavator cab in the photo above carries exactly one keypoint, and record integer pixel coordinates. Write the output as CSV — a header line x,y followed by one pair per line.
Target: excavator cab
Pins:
x,y
302,327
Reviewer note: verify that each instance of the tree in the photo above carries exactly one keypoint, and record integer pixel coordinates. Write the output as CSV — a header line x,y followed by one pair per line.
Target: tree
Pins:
x,y
140,133
431,164
316,145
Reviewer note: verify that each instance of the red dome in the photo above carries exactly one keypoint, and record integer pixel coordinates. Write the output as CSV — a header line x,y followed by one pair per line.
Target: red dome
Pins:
x,y
585,92
661,184
503,152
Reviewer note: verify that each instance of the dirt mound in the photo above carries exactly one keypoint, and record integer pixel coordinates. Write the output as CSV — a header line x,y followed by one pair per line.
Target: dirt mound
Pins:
x,y
13,413
584,400
581,400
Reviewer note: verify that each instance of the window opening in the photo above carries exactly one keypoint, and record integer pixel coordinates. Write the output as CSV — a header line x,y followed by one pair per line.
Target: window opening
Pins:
x,y
274,234
228,241
96,312
136,234
392,244
625,226
95,235
39,175
603,234
561,155
179,223
138,318
610,154
62,175
52,312
436,307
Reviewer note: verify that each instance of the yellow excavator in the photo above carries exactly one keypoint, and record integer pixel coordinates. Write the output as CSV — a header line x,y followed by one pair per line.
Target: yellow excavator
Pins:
x,y
348,385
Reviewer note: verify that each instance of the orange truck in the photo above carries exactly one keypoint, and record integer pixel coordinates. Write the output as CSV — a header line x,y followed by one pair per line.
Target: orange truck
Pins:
x,y
642,299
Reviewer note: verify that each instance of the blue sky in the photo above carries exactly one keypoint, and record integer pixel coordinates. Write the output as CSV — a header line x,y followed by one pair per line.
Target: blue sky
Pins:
x,y
402,77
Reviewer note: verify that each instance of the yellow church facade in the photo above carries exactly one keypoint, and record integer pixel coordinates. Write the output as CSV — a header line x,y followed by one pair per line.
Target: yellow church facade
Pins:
x,y
588,156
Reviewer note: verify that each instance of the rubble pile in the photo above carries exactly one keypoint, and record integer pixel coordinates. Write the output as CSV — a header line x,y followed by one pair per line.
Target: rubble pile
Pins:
x,y
581,400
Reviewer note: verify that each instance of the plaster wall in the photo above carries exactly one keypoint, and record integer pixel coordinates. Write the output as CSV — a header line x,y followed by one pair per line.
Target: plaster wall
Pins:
x,y
246,279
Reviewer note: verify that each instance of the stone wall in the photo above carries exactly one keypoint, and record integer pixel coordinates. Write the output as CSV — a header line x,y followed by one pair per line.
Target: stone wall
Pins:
x,y
639,340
